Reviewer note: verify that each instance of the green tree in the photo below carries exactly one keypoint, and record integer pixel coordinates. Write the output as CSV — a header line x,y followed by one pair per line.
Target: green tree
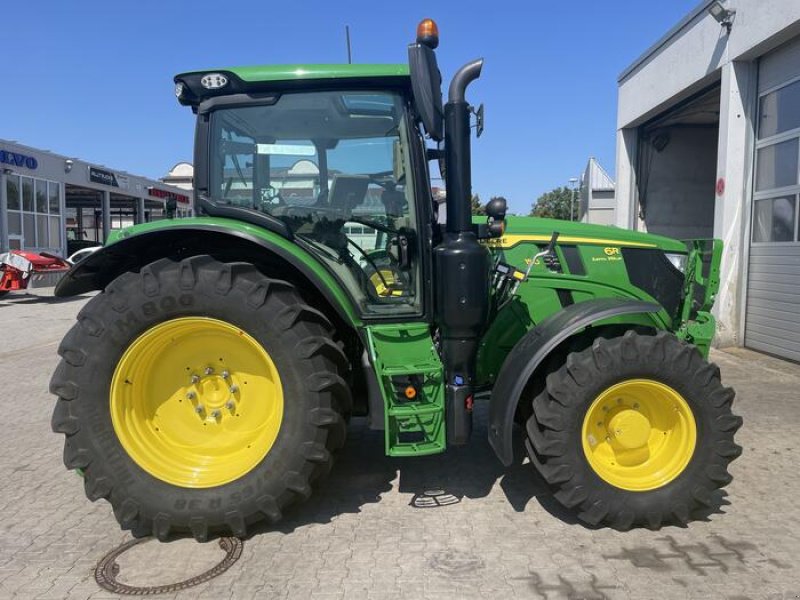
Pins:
x,y
477,207
555,204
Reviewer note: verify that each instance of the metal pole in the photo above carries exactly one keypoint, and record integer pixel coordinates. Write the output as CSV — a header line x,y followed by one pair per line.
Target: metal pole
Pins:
x,y
574,182
139,211
347,35
106,215
572,206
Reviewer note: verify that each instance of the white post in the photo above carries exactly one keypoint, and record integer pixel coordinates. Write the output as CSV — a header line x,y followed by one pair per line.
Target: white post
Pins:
x,y
4,243
625,195
738,103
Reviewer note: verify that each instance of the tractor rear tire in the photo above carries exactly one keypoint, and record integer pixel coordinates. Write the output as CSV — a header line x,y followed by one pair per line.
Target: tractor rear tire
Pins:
x,y
200,397
634,431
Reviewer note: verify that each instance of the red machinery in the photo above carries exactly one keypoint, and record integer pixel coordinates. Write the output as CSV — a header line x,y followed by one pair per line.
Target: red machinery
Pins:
x,y
20,269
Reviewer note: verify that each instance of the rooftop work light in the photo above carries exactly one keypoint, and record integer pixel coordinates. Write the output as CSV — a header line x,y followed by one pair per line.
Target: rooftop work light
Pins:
x,y
723,16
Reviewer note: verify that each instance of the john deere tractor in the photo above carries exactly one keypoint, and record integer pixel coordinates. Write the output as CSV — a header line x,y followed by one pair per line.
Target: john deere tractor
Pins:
x,y
208,385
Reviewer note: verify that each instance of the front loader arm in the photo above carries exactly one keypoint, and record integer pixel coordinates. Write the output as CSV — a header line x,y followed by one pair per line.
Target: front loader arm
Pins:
x,y
697,324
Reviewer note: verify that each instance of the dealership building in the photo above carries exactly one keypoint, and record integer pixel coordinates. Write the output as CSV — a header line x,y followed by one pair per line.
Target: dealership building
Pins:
x,y
708,145
54,203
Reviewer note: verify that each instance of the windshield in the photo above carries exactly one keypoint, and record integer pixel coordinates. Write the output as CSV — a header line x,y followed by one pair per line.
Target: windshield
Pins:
x,y
333,166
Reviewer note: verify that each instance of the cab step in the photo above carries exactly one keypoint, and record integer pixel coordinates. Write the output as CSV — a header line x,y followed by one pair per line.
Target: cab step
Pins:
x,y
411,381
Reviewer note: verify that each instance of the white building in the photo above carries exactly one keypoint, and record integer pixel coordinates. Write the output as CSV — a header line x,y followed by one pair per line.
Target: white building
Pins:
x,y
56,203
181,175
708,144
597,195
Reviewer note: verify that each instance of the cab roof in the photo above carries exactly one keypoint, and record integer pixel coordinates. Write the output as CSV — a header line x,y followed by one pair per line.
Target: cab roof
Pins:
x,y
265,78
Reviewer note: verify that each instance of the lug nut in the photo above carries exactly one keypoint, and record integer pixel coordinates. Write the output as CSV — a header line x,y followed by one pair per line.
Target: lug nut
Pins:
x,y
225,374
230,404
216,413
199,409
209,371
234,389
191,395
195,378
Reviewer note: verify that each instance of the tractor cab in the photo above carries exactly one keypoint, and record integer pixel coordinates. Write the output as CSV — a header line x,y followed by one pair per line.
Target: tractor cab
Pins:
x,y
333,170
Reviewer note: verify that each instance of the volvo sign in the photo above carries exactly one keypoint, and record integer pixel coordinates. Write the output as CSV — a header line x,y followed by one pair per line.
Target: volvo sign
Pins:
x,y
18,160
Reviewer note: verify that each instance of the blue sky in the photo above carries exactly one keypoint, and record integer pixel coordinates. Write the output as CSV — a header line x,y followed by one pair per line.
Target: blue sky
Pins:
x,y
93,79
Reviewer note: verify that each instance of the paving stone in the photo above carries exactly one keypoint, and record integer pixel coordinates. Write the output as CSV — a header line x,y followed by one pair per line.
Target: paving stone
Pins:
x,y
360,537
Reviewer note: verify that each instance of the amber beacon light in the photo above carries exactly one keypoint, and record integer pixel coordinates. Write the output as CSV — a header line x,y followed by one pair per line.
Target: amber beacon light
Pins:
x,y
428,33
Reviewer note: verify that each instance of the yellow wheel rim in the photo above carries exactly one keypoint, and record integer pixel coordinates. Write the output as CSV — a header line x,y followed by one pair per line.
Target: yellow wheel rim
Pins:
x,y
196,402
639,435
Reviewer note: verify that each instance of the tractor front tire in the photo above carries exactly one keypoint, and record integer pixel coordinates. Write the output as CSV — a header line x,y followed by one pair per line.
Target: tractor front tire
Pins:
x,y
199,397
634,431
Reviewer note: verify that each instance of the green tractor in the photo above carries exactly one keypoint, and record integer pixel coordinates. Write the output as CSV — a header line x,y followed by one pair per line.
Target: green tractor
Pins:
x,y
208,385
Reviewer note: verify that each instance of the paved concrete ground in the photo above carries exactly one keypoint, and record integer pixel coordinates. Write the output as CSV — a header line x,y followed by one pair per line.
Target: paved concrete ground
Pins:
x,y
361,536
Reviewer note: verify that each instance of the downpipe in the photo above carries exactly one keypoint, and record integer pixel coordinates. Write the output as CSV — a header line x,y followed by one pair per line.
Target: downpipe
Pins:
x,y
461,265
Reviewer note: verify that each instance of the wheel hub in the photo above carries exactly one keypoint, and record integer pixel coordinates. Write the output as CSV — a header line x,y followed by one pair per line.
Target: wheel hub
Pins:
x,y
214,396
630,429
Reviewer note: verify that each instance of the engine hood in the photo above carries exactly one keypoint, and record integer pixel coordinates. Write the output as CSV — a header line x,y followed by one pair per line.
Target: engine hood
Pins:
x,y
538,230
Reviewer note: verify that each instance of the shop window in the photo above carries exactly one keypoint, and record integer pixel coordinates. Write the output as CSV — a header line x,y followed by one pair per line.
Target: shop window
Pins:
x,y
774,219
41,195
777,165
55,232
780,111
12,192
28,228
14,223
27,194
54,200
41,231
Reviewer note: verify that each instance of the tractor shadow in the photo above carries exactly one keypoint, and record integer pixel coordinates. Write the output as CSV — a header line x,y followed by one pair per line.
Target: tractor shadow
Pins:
x,y
362,474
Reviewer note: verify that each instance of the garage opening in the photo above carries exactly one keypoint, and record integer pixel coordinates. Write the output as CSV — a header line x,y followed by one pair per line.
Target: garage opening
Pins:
x,y
677,168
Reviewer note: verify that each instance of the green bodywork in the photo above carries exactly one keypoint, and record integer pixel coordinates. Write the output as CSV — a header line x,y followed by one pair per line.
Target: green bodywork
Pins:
x,y
605,275
401,350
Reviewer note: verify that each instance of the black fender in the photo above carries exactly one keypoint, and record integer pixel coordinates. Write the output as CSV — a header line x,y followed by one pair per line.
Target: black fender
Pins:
x,y
179,241
533,348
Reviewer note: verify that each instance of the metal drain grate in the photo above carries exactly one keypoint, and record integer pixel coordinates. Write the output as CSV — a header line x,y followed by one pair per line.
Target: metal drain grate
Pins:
x,y
107,570
434,499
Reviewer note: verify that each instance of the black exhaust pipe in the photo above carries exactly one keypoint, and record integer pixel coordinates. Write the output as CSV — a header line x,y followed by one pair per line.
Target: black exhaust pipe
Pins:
x,y
461,264
458,153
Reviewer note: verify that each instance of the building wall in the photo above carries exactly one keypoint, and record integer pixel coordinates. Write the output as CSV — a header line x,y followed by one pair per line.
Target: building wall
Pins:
x,y
691,57
694,55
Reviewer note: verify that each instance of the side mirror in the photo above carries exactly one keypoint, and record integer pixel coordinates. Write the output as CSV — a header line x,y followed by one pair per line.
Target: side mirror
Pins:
x,y
426,85
479,121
